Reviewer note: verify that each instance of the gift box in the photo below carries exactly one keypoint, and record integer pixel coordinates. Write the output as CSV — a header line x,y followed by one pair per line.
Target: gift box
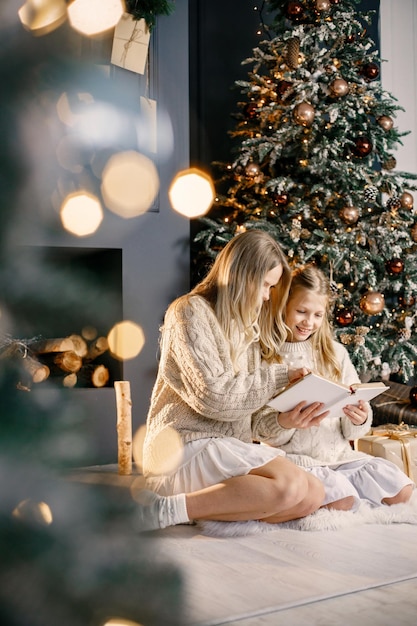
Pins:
x,y
130,44
398,445
394,406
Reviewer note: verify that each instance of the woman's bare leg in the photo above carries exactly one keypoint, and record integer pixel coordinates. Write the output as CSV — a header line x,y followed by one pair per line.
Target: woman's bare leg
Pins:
x,y
278,491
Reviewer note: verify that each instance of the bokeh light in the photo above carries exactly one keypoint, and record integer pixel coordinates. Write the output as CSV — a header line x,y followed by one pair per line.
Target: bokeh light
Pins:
x,y
130,184
41,17
118,621
126,339
191,193
81,214
32,511
91,17
167,451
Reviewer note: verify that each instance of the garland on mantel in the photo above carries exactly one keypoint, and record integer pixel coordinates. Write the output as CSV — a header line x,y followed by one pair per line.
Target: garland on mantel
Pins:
x,y
149,9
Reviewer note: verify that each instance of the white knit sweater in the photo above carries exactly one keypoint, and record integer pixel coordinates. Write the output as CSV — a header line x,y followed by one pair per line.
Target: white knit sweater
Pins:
x,y
197,391
328,443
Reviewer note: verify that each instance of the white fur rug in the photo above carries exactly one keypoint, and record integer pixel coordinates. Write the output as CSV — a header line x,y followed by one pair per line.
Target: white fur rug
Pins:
x,y
323,519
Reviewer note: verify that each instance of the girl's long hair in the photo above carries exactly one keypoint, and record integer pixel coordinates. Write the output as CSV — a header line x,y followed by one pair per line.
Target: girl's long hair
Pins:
x,y
233,287
311,278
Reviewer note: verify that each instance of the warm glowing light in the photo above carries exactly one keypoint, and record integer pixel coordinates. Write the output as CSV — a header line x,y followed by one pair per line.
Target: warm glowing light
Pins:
x,y
130,184
126,339
118,621
167,451
191,193
64,110
137,446
41,17
81,214
94,16
34,511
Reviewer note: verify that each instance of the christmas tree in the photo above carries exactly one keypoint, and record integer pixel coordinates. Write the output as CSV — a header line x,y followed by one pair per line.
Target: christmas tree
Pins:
x,y
314,165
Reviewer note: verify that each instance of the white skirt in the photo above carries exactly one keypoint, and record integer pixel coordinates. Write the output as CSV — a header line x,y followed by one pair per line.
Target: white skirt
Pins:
x,y
370,478
210,461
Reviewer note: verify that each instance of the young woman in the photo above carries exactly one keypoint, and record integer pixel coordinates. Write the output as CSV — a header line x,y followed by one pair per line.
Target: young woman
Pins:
x,y
218,369
323,442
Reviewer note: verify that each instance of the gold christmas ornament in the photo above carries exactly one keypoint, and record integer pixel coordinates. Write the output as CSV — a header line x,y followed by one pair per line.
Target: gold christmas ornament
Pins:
x,y
349,214
322,5
407,200
339,87
372,302
386,122
304,114
252,170
414,233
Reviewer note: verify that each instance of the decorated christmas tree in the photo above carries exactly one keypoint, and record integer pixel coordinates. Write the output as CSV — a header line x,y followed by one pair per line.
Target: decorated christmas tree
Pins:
x,y
314,165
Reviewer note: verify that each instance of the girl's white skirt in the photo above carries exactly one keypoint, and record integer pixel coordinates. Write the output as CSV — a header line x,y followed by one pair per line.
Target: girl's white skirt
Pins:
x,y
210,461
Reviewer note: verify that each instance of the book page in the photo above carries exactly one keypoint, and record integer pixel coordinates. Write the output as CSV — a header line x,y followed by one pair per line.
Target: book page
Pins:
x,y
315,388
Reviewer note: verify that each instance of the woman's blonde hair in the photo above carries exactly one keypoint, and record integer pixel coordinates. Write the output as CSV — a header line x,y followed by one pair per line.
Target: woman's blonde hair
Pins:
x,y
311,278
233,287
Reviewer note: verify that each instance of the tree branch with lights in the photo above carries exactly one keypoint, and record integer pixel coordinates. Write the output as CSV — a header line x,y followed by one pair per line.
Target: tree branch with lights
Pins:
x,y
314,165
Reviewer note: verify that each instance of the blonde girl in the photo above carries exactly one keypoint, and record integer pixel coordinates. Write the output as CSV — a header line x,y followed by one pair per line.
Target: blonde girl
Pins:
x,y
321,442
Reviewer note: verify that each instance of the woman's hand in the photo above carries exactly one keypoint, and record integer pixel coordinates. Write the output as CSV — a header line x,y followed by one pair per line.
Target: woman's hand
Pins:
x,y
303,415
357,413
294,375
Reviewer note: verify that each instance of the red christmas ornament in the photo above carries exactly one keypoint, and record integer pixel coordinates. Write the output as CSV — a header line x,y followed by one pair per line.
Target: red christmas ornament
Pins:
x,y
283,87
406,300
251,110
394,266
370,71
294,10
363,146
280,199
344,316
350,38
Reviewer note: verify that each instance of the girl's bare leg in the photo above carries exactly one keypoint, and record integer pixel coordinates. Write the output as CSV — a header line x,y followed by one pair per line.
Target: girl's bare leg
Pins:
x,y
276,492
402,496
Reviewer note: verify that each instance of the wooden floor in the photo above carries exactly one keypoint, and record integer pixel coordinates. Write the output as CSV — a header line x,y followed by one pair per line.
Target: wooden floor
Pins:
x,y
359,575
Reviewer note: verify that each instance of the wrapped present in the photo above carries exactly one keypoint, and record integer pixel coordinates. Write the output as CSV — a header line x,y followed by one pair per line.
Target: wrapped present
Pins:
x,y
394,406
396,443
130,44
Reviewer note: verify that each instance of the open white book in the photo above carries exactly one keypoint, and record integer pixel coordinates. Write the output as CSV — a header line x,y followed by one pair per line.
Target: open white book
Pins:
x,y
315,388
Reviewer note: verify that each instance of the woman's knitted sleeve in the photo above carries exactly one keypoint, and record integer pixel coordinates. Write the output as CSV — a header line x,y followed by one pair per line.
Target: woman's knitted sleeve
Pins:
x,y
196,364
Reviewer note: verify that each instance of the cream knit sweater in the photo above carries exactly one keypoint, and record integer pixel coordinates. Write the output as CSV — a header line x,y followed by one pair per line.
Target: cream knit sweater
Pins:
x,y
328,443
198,393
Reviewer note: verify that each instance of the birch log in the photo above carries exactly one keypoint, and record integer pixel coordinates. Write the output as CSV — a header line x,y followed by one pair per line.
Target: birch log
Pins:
x,y
124,426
